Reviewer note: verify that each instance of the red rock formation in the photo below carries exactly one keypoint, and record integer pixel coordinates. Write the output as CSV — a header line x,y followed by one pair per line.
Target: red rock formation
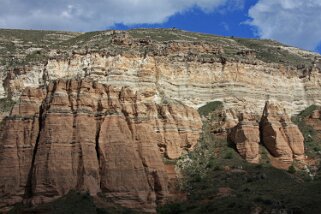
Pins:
x,y
246,136
18,137
282,138
94,138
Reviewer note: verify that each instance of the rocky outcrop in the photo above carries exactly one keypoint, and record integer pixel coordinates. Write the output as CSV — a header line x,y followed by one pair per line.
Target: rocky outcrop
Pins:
x,y
275,131
281,137
86,136
246,137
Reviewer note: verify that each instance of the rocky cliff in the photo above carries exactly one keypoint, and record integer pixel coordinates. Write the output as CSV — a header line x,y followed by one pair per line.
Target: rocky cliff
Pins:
x,y
100,112
86,136
188,67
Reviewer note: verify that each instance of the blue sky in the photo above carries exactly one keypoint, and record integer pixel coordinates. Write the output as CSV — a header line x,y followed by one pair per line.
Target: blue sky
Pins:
x,y
230,22
293,22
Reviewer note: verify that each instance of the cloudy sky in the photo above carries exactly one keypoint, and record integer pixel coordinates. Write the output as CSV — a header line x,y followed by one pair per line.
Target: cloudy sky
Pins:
x,y
294,22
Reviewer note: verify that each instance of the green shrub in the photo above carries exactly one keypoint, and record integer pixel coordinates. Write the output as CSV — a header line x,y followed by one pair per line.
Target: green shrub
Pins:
x,y
210,107
292,169
6,104
228,155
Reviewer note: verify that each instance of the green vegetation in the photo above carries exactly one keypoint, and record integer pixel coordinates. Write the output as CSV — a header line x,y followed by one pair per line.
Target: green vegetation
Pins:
x,y
312,139
210,107
214,184
292,169
305,113
6,104
217,180
73,202
155,34
35,36
270,51
15,43
89,39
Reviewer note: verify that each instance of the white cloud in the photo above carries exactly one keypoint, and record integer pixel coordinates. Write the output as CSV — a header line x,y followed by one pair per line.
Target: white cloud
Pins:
x,y
88,15
294,22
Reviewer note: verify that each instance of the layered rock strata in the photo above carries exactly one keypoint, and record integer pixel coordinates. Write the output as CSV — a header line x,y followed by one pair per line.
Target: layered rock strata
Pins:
x,y
181,75
18,137
86,136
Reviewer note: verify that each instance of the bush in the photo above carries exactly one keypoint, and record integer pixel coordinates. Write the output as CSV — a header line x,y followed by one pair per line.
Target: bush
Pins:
x,y
228,155
292,169
196,165
170,209
210,107
6,104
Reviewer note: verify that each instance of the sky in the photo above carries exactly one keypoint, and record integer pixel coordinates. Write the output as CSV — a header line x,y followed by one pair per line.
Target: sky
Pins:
x,y
293,22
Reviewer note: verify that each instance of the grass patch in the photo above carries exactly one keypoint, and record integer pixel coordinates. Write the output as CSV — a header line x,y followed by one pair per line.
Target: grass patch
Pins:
x,y
210,107
267,51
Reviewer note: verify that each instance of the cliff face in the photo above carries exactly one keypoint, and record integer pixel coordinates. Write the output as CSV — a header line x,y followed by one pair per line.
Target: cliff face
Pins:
x,y
191,82
82,135
99,112
193,69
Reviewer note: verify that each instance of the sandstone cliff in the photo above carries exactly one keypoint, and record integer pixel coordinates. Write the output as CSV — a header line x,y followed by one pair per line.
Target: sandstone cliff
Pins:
x,y
86,136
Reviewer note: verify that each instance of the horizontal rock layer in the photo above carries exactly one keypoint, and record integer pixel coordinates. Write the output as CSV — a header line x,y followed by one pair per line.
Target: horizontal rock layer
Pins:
x,y
180,77
87,136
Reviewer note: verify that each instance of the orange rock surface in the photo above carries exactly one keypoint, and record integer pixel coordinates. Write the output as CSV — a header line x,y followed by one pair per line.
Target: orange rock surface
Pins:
x,y
18,137
86,136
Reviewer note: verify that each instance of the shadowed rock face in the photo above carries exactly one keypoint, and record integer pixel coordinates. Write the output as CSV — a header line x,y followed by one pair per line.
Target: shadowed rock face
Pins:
x,y
91,137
